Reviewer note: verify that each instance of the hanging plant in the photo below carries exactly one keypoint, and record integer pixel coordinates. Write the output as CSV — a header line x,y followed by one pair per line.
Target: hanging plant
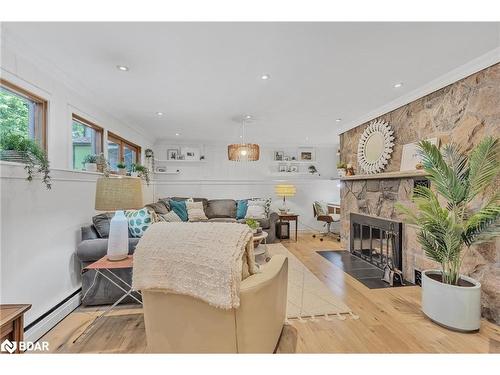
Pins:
x,y
17,148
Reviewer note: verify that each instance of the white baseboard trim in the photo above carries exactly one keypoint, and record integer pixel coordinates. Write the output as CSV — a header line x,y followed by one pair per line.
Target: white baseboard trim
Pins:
x,y
46,324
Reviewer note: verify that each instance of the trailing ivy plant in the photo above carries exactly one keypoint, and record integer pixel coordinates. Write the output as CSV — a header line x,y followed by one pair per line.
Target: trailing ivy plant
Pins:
x,y
31,154
448,217
142,172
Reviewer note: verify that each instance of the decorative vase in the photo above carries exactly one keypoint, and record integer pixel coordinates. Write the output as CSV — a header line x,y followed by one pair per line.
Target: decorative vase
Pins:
x,y
91,167
451,306
134,174
13,156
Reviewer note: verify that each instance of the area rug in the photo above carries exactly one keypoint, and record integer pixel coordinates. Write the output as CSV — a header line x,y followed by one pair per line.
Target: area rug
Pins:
x,y
308,297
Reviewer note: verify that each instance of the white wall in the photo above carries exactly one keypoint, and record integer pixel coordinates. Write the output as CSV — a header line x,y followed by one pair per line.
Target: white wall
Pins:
x,y
40,228
220,178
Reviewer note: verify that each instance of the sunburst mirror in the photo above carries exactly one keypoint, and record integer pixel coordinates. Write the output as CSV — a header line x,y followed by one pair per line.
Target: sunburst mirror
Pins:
x,y
375,147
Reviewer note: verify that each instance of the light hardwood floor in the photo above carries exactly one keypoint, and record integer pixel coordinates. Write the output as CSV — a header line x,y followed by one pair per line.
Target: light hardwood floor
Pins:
x,y
390,321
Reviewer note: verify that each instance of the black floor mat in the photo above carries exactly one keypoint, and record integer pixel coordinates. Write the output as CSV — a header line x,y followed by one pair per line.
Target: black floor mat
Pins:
x,y
366,273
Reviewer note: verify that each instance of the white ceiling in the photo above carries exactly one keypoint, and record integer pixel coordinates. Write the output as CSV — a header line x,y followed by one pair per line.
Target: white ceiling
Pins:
x,y
202,75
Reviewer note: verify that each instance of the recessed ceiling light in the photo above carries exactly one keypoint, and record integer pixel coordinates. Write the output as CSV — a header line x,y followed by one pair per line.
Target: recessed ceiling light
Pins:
x,y
265,76
248,117
398,85
338,120
241,136
159,113
177,134
123,68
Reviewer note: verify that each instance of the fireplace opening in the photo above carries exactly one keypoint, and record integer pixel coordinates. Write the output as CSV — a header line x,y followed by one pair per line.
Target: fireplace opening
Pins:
x,y
377,241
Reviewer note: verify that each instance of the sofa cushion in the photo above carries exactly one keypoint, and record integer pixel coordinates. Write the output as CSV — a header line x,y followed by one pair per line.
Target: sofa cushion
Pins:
x,y
139,221
89,232
179,207
170,217
266,203
241,208
165,202
180,199
195,211
92,250
256,210
101,223
222,220
217,208
159,207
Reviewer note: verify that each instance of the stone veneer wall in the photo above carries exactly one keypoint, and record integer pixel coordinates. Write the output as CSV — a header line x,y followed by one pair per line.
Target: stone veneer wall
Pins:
x,y
463,112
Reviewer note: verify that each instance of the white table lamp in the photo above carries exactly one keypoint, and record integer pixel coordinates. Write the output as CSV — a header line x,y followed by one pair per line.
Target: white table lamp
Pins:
x,y
285,190
118,194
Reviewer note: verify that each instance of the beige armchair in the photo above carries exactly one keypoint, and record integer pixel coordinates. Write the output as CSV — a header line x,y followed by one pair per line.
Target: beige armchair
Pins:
x,y
181,324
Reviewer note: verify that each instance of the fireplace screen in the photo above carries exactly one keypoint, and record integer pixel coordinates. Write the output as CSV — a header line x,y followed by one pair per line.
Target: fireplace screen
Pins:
x,y
376,240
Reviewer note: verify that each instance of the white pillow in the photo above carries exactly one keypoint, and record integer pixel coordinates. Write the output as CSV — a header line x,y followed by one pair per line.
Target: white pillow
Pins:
x,y
195,211
170,217
255,212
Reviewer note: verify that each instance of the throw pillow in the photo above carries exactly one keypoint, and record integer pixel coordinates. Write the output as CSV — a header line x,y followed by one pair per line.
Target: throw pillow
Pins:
x,y
195,211
255,210
179,207
101,223
139,221
170,217
241,209
266,202
158,207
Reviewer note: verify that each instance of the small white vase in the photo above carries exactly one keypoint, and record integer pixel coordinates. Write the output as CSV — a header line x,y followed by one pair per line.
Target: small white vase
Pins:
x,y
91,167
134,174
122,171
452,306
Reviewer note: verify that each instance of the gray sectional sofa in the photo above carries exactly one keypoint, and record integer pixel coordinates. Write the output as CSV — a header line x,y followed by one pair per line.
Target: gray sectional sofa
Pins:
x,y
95,242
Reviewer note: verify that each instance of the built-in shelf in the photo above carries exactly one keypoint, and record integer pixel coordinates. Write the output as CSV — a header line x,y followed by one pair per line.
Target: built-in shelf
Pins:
x,y
295,161
179,161
386,175
294,174
175,172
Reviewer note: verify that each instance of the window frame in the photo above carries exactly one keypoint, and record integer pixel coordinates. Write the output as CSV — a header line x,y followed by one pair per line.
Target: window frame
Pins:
x,y
100,130
122,142
40,115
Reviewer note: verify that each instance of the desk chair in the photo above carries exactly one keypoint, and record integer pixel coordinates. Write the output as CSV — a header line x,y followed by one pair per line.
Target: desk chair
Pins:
x,y
321,213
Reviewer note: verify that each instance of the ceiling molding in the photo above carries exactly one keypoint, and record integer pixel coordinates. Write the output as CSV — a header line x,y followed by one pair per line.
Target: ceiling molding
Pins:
x,y
463,71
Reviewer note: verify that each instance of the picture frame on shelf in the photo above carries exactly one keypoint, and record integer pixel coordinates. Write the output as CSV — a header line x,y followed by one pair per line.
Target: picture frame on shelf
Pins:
x,y
307,154
282,168
294,168
190,153
286,158
172,154
278,155
410,157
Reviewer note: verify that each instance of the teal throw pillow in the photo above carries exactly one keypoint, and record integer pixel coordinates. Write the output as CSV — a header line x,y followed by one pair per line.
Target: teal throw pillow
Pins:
x,y
139,221
241,208
179,207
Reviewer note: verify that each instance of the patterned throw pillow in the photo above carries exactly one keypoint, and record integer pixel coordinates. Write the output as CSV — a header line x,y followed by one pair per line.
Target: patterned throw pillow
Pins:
x,y
195,211
321,208
179,207
139,221
266,203
256,210
170,217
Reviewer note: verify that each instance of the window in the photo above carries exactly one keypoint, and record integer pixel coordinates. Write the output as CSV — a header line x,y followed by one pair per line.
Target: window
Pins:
x,y
86,138
120,150
23,113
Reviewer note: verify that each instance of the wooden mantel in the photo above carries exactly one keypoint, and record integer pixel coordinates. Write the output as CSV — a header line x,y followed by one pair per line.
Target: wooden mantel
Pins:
x,y
385,175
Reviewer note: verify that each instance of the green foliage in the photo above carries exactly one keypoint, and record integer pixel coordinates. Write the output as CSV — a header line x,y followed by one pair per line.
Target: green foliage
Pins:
x,y
33,155
341,165
90,159
14,113
142,172
121,165
252,223
444,230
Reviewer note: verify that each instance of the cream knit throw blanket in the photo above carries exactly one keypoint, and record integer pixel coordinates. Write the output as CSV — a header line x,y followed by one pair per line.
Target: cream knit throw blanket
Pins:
x,y
202,260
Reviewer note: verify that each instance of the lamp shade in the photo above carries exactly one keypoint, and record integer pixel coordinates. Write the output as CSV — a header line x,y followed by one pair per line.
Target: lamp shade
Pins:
x,y
118,193
243,152
285,190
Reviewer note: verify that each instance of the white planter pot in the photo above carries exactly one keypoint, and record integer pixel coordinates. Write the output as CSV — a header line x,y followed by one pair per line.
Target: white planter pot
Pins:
x,y
122,171
134,174
341,172
91,167
454,307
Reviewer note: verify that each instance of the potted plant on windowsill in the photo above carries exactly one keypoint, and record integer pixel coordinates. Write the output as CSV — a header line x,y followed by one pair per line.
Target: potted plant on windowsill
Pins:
x,y
90,163
450,220
122,169
141,172
18,148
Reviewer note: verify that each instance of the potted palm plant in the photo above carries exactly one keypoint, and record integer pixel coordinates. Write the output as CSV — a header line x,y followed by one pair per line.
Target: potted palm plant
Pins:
x,y
90,163
450,220
18,148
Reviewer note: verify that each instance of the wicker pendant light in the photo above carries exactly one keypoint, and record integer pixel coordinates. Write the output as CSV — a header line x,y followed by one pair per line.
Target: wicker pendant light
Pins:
x,y
243,151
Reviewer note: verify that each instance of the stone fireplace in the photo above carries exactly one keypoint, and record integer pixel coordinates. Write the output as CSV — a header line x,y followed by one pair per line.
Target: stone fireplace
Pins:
x,y
464,113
